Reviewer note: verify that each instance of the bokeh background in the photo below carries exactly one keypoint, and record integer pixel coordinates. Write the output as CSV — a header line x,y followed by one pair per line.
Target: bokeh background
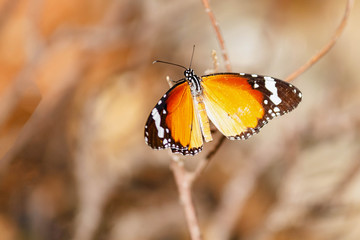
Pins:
x,y
77,85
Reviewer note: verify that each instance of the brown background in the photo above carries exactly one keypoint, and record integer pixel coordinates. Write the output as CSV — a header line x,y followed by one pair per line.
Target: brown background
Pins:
x,y
77,85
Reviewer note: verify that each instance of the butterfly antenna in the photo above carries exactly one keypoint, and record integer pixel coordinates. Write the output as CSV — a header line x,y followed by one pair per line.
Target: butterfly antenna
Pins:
x,y
192,55
159,61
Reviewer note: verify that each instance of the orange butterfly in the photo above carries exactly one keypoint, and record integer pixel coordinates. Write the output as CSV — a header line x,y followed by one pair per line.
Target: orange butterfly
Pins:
x,y
237,104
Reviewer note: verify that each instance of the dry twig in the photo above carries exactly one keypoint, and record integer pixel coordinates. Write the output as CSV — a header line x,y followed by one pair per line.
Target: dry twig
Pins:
x,y
327,47
184,184
216,27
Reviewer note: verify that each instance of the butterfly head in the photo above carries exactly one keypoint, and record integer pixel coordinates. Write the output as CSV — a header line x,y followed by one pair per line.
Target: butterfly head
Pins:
x,y
189,73
194,81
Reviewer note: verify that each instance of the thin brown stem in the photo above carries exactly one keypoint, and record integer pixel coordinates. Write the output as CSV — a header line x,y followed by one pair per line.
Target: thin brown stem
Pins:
x,y
327,47
184,185
183,178
205,161
220,38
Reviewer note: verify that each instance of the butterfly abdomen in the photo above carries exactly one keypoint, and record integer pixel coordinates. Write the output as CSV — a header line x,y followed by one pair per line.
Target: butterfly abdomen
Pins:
x,y
204,120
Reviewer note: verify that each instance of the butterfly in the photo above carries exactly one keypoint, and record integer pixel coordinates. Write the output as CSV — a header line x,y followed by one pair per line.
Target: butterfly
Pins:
x,y
238,104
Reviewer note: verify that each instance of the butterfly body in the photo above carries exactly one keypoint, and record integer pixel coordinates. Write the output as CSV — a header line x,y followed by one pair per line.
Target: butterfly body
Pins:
x,y
237,104
200,109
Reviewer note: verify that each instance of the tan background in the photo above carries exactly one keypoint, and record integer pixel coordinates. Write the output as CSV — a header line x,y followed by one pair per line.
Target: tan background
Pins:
x,y
77,85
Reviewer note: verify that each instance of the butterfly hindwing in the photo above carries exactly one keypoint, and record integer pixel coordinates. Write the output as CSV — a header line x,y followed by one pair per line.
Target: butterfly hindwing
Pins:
x,y
174,124
240,104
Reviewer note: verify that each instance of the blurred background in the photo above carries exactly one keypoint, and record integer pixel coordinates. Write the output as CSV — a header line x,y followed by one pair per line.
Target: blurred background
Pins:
x,y
77,85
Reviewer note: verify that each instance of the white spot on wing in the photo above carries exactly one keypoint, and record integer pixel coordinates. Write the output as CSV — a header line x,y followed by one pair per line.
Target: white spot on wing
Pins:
x,y
156,116
270,85
254,75
268,78
256,85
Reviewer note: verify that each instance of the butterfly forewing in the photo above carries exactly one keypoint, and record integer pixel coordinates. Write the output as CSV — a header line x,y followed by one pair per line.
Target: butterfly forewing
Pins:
x,y
240,104
279,97
173,123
